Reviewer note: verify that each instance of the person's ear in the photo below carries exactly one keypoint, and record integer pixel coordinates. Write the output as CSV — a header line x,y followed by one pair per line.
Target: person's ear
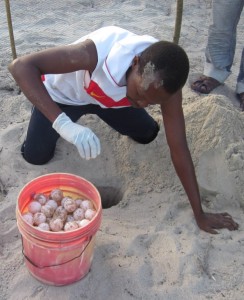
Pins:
x,y
135,61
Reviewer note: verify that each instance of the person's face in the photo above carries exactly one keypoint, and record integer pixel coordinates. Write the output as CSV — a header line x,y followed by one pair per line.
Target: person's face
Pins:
x,y
140,97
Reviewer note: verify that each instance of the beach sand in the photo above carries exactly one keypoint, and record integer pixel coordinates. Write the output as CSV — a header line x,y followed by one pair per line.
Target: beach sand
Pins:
x,y
148,245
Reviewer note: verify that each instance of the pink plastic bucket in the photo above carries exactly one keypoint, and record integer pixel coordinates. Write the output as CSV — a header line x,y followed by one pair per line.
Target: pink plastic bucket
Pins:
x,y
58,258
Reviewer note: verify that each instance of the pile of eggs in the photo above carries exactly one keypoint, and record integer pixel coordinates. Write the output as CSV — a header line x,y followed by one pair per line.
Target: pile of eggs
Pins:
x,y
57,212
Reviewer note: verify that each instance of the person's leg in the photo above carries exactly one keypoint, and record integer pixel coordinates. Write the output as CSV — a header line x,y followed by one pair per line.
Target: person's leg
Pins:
x,y
221,45
240,82
133,122
39,145
220,49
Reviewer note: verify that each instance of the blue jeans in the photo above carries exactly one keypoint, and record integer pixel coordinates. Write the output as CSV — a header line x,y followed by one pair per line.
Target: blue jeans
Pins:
x,y
221,45
41,139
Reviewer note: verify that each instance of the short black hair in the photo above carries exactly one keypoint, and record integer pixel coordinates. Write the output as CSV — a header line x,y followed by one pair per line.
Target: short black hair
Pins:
x,y
171,64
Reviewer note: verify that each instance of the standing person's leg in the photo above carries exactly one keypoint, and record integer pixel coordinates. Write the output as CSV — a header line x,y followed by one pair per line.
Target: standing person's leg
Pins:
x,y
220,49
133,122
240,82
221,46
39,145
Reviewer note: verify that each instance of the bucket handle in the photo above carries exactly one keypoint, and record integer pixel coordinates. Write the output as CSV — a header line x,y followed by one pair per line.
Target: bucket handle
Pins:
x,y
55,265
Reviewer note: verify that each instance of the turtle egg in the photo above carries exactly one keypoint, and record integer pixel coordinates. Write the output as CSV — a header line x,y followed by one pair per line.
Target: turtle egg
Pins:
x,y
69,204
48,210
78,202
62,201
60,213
56,224
86,204
79,214
52,203
83,223
90,213
41,198
69,226
34,207
39,218
44,227
70,218
56,195
28,217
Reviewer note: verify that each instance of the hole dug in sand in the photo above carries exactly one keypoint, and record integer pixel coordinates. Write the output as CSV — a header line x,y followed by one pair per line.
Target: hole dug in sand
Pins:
x,y
110,195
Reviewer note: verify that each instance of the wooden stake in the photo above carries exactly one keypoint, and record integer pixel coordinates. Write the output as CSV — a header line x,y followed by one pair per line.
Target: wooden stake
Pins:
x,y
10,29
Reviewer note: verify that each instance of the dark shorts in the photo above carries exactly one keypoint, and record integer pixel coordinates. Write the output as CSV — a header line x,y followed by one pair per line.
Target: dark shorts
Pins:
x,y
40,143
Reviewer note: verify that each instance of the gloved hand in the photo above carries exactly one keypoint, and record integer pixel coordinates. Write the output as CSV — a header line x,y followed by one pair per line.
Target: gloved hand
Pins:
x,y
82,137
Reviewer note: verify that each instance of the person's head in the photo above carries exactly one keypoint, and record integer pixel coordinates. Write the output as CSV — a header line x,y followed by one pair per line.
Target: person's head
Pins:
x,y
161,70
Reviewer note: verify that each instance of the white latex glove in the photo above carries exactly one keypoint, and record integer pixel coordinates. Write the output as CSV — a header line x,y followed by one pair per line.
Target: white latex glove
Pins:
x,y
82,137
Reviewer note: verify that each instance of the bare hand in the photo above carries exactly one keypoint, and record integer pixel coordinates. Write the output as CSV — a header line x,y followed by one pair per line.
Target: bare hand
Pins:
x,y
210,221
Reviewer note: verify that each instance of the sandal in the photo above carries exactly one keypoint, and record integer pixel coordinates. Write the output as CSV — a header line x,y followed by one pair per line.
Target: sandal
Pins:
x,y
205,85
240,97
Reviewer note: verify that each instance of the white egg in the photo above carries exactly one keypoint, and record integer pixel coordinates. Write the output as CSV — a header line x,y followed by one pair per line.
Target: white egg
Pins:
x,y
48,210
70,218
56,195
78,202
79,214
69,226
56,224
60,213
28,217
41,198
69,204
86,204
39,218
62,201
83,223
34,207
44,227
52,203
90,213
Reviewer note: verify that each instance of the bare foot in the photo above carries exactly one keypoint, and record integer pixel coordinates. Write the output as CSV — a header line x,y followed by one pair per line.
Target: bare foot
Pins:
x,y
205,85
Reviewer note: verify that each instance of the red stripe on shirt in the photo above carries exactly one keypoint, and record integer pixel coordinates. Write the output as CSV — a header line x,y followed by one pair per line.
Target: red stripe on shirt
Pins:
x,y
97,93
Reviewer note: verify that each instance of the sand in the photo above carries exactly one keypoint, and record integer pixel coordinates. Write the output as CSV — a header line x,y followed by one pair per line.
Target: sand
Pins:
x,y
148,246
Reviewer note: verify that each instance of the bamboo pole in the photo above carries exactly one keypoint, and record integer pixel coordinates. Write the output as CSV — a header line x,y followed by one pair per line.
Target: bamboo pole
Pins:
x,y
178,21
10,29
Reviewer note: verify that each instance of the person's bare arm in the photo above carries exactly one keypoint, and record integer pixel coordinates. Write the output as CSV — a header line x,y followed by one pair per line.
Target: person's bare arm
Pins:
x,y
27,71
174,123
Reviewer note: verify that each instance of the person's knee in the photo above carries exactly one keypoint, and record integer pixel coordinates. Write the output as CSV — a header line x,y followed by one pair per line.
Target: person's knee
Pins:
x,y
147,137
36,161
34,157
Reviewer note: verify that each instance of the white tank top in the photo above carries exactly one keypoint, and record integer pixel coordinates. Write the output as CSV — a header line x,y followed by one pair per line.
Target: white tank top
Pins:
x,y
116,48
